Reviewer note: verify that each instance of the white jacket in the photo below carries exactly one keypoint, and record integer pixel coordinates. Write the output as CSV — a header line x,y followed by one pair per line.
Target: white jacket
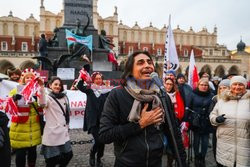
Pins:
x,y
233,136
56,131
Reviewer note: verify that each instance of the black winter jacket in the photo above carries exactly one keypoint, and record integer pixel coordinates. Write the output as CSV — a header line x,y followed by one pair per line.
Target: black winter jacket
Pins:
x,y
200,103
93,108
133,146
5,153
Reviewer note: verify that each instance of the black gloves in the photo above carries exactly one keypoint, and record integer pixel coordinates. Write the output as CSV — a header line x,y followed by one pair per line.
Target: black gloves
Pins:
x,y
17,97
221,118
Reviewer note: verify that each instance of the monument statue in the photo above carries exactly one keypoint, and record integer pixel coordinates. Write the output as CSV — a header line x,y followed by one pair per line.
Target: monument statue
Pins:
x,y
78,31
78,49
52,65
54,41
104,42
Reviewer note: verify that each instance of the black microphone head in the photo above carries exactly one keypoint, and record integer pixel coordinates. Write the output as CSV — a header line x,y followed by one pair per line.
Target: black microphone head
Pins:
x,y
153,74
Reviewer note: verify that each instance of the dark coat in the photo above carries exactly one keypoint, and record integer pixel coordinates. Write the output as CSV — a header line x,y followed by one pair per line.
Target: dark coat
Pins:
x,y
200,103
5,151
43,47
186,93
93,108
133,146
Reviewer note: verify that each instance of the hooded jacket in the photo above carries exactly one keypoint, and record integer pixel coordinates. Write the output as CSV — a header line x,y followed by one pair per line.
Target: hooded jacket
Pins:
x,y
233,136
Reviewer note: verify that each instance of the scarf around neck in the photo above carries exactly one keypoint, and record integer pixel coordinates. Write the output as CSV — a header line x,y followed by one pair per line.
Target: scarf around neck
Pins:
x,y
57,95
99,90
172,96
142,96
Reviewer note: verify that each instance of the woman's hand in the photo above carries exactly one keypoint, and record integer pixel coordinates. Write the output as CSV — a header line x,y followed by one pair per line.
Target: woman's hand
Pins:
x,y
150,117
40,81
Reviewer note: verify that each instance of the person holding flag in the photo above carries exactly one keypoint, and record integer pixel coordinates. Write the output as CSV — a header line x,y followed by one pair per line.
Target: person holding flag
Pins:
x,y
96,93
25,133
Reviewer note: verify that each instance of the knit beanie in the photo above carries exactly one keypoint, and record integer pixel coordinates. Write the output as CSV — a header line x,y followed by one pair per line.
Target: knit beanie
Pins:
x,y
239,79
171,72
180,75
225,82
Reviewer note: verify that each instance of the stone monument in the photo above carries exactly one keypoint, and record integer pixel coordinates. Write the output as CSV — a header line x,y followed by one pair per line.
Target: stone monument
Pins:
x,y
78,15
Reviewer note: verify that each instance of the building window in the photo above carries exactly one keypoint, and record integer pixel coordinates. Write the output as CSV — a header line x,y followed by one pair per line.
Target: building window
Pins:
x,y
4,46
145,48
130,50
185,53
223,53
159,52
24,46
211,52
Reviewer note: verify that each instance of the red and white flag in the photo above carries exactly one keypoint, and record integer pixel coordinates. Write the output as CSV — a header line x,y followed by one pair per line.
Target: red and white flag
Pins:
x,y
29,90
193,76
111,57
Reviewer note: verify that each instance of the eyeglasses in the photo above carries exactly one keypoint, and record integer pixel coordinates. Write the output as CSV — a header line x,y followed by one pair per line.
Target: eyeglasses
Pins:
x,y
203,85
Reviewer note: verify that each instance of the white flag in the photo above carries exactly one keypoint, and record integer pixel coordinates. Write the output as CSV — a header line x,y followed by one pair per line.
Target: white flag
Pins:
x,y
171,61
193,76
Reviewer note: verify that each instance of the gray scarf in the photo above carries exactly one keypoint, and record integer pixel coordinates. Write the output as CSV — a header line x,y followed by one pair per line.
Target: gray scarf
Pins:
x,y
142,95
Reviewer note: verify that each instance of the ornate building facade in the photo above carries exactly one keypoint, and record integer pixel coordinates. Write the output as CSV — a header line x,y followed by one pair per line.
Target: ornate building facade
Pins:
x,y
19,42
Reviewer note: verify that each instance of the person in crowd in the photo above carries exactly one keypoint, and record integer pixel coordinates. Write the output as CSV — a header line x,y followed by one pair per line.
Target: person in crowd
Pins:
x,y
14,74
25,133
56,146
176,98
207,76
179,109
96,96
223,86
133,118
43,49
185,90
5,150
232,117
229,76
198,117
216,81
43,46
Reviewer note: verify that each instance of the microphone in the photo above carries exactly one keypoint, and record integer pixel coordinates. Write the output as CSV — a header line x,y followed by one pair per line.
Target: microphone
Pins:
x,y
157,81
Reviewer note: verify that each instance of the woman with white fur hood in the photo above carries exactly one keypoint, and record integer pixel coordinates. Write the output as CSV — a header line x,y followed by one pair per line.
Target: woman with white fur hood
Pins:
x,y
231,115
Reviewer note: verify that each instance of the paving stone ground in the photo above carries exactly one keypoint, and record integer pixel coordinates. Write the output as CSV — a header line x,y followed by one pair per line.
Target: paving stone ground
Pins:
x,y
81,153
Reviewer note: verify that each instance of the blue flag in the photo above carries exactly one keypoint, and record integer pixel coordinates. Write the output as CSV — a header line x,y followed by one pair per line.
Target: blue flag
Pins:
x,y
72,38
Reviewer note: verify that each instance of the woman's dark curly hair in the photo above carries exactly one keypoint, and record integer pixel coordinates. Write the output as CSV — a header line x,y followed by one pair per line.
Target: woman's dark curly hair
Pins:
x,y
129,65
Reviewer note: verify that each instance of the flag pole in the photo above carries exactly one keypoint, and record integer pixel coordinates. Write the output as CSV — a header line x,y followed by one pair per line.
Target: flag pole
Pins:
x,y
169,26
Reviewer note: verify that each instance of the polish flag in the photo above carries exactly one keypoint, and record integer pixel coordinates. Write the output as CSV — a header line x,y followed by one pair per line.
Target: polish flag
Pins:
x,y
193,76
111,57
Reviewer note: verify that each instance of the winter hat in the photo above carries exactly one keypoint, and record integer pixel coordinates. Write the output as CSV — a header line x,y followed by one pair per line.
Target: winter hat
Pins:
x,y
180,75
171,72
225,82
239,79
216,78
28,71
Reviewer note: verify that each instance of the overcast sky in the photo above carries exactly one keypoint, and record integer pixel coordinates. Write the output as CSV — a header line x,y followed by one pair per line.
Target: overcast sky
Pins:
x,y
230,16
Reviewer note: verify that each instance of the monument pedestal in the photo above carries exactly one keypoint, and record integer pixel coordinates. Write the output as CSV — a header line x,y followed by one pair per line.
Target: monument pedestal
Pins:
x,y
76,11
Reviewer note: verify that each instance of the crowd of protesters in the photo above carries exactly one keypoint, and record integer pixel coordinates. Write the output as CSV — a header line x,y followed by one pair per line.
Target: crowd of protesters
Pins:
x,y
133,117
